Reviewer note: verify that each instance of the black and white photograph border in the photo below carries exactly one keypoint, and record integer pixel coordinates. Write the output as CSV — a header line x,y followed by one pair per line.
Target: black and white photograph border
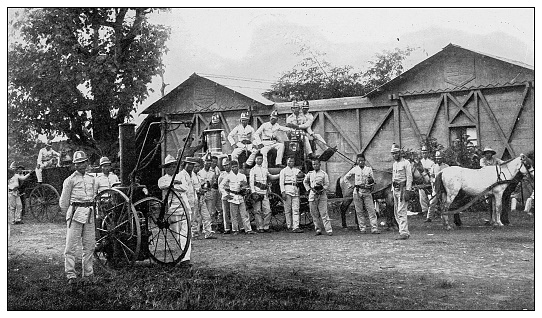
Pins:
x,y
406,136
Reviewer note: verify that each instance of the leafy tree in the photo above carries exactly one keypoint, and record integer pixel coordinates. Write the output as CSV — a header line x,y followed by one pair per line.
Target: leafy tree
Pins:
x,y
315,78
79,72
386,66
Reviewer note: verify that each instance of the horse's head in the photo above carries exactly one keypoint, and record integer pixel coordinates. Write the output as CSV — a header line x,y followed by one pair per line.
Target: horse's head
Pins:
x,y
419,173
526,167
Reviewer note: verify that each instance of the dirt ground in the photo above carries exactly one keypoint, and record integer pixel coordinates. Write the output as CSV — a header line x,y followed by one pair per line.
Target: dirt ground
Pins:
x,y
475,267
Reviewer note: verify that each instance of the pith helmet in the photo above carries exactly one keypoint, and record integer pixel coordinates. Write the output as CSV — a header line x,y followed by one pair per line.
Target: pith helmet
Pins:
x,y
225,161
215,119
395,148
295,104
79,156
48,142
275,114
438,155
487,149
245,115
168,161
424,148
305,104
104,161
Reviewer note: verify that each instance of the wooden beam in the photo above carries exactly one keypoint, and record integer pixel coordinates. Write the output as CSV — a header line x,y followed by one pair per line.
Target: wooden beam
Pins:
x,y
358,120
462,108
397,125
224,123
378,127
432,122
495,122
518,112
344,135
411,119
477,102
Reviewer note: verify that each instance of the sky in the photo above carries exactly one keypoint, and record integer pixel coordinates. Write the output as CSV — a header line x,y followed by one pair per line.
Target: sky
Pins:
x,y
262,43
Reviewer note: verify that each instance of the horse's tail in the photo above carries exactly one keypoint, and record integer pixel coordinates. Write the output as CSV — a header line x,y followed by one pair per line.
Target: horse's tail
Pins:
x,y
439,186
338,189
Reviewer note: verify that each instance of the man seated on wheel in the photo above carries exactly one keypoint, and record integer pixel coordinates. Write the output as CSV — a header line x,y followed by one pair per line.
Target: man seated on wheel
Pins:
x,y
258,185
290,194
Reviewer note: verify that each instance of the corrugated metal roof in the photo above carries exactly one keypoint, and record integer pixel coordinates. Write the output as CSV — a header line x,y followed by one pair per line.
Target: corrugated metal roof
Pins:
x,y
246,87
463,88
447,47
251,88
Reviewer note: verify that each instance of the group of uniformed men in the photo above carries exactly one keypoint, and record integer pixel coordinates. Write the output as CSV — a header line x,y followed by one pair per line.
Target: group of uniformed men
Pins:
x,y
216,199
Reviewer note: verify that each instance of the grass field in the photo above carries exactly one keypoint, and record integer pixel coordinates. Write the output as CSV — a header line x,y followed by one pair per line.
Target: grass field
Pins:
x,y
476,267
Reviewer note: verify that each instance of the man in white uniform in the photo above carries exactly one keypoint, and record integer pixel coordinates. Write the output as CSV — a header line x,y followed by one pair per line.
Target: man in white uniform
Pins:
x,y
290,194
258,185
427,164
317,182
244,134
402,185
266,139
76,201
107,179
47,157
232,187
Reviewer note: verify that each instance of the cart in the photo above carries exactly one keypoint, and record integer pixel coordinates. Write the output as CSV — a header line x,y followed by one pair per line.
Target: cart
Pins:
x,y
42,199
132,227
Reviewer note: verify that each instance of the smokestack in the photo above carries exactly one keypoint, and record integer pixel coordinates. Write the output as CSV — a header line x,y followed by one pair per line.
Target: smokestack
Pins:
x,y
127,152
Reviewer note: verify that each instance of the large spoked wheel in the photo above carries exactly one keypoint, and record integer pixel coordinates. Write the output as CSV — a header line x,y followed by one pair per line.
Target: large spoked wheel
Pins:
x,y
43,203
168,228
278,219
118,230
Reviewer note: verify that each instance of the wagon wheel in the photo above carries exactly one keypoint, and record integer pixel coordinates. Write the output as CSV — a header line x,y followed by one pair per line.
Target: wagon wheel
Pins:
x,y
169,235
43,202
118,231
305,217
278,219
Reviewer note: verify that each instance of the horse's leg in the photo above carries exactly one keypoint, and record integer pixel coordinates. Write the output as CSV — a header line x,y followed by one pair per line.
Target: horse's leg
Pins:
x,y
457,219
498,208
344,207
450,196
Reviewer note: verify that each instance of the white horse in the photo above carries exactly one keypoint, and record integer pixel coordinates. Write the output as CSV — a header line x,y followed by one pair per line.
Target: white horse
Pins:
x,y
475,182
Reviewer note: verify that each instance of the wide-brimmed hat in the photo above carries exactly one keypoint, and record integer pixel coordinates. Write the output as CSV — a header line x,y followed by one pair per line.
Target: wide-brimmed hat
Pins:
x,y
487,149
104,161
438,154
15,166
169,160
79,156
395,148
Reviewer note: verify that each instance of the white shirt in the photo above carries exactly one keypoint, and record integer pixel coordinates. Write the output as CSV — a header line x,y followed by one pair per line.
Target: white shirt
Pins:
x,y
360,176
289,175
427,163
242,133
312,179
77,188
233,182
106,182
45,155
174,202
267,131
402,172
191,183
220,178
259,174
